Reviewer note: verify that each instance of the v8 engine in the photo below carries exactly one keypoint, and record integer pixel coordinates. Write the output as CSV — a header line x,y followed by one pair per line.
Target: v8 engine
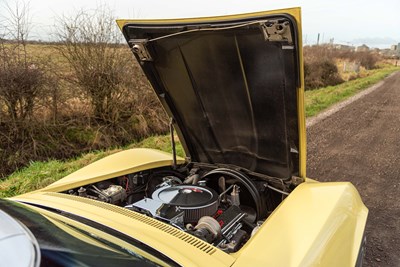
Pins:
x,y
221,206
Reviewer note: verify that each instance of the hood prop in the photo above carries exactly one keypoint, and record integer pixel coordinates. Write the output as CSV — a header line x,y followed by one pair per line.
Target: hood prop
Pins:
x,y
171,129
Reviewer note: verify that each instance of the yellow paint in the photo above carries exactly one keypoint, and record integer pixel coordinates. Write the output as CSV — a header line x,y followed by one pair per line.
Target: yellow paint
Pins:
x,y
69,226
318,224
301,113
131,224
118,164
64,225
291,11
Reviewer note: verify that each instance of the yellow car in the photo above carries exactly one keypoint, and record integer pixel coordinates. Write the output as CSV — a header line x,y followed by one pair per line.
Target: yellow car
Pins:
x,y
233,88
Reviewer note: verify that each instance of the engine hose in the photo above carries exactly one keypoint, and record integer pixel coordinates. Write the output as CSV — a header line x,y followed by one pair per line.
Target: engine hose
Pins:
x,y
245,180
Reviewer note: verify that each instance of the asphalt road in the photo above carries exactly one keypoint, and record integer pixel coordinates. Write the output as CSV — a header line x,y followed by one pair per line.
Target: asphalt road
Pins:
x,y
360,143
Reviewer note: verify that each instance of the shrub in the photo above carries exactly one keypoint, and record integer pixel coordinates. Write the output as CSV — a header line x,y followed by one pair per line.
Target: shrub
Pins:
x,y
51,106
320,73
90,45
366,59
20,85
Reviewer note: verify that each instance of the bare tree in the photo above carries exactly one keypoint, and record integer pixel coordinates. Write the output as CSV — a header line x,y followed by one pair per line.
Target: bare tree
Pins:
x,y
91,44
21,79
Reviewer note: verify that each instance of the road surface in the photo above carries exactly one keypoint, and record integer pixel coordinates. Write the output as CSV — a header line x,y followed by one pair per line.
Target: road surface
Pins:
x,y
360,143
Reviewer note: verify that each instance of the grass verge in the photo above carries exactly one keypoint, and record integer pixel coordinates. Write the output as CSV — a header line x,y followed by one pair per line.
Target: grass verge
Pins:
x,y
320,99
40,174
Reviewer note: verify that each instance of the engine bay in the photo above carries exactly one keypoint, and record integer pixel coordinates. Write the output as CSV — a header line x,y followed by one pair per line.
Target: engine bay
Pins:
x,y
223,206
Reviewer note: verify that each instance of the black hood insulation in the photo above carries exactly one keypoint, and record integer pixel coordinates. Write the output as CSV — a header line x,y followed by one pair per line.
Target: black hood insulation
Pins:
x,y
231,91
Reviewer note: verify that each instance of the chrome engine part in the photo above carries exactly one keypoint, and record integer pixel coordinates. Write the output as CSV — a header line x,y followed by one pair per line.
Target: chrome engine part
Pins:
x,y
199,208
224,231
170,203
207,229
216,207
156,209
231,223
194,201
114,194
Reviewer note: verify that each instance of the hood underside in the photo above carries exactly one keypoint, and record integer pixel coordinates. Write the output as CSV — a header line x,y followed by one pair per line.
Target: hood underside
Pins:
x,y
229,85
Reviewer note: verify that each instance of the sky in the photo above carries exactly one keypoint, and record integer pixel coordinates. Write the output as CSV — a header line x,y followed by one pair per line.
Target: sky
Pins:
x,y
353,22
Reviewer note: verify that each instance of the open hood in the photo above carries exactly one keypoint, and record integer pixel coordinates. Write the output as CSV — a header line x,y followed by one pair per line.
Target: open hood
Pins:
x,y
230,84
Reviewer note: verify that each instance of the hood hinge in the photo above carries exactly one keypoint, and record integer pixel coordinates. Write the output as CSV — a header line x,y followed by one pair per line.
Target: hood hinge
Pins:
x,y
276,31
139,48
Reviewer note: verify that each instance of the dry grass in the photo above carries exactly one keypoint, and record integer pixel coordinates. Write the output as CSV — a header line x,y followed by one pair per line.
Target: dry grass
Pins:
x,y
322,98
40,174
63,123
75,131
